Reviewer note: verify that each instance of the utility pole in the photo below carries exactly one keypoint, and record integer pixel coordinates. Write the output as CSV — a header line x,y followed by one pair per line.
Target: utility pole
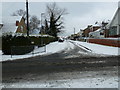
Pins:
x,y
42,16
42,29
27,17
118,18
74,31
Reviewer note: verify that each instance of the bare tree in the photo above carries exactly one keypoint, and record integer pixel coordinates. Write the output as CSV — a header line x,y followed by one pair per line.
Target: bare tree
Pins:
x,y
34,23
55,18
19,12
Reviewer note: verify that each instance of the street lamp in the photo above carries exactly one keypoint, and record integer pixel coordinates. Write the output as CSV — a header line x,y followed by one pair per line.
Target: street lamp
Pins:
x,y
42,14
74,31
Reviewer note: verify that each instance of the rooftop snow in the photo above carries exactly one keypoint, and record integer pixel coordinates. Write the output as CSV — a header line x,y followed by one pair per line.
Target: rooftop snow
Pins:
x,y
96,25
98,30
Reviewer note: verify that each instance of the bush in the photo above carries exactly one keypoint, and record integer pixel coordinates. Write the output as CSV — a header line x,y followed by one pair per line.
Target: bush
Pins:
x,y
19,50
9,41
18,45
40,41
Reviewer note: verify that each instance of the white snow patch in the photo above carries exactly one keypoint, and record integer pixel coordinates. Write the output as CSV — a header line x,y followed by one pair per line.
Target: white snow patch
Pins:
x,y
85,79
50,49
99,49
56,47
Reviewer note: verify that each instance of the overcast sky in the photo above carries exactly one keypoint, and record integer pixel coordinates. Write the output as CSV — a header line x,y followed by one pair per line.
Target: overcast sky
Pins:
x,y
80,14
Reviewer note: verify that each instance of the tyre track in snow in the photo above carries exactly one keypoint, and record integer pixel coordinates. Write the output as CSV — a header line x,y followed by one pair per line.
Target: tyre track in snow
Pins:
x,y
78,51
13,71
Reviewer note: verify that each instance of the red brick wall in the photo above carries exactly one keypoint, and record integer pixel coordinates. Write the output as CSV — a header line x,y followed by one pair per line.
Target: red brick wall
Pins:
x,y
108,42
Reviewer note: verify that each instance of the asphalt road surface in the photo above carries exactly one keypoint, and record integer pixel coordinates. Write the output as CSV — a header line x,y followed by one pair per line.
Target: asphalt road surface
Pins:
x,y
64,61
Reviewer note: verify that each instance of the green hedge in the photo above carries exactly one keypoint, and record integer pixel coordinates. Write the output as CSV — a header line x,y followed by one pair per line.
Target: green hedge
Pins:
x,y
8,42
40,41
22,44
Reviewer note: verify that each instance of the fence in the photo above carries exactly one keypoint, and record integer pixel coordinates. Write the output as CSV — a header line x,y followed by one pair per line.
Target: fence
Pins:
x,y
108,42
27,50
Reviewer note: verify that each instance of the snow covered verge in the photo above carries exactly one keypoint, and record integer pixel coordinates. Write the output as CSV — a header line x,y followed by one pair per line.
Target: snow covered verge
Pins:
x,y
98,49
51,48
56,47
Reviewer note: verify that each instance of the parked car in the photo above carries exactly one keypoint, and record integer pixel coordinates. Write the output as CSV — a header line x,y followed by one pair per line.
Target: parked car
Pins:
x,y
60,40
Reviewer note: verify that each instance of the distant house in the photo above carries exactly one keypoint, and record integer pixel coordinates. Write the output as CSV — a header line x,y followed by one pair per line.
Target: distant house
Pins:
x,y
86,31
97,34
90,28
80,33
14,25
114,27
100,32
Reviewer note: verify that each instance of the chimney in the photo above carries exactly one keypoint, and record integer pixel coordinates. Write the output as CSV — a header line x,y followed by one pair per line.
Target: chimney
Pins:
x,y
17,22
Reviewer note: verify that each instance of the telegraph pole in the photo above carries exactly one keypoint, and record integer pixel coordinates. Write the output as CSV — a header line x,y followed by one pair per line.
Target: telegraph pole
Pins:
x,y
74,31
27,17
42,29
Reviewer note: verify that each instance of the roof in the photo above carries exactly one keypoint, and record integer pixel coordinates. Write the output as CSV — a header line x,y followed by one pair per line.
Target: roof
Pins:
x,y
9,23
114,21
96,25
99,30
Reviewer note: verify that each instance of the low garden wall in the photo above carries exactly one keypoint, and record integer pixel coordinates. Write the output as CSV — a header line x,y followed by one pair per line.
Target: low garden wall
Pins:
x,y
108,42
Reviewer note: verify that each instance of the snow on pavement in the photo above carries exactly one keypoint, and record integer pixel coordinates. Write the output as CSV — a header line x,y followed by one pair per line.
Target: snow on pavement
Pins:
x,y
99,49
75,79
75,83
56,47
88,79
51,48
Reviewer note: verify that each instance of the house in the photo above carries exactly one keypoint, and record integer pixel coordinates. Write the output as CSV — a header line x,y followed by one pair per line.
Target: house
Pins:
x,y
90,28
114,27
80,33
14,24
97,34
100,32
86,31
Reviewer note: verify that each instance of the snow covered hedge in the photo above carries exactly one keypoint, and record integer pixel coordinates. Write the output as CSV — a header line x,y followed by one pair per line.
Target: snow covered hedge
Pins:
x,y
12,45
40,41
22,44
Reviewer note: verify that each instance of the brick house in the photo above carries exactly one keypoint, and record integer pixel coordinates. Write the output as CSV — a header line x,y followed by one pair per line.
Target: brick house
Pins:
x,y
90,28
100,32
14,24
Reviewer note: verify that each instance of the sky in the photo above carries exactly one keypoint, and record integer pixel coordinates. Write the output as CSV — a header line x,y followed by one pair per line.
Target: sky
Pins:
x,y
81,14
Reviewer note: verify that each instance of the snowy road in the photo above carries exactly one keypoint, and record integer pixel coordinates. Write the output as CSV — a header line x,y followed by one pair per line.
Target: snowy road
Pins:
x,y
70,66
70,49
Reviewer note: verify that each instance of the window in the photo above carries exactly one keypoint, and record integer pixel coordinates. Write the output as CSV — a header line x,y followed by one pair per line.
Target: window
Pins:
x,y
113,31
21,27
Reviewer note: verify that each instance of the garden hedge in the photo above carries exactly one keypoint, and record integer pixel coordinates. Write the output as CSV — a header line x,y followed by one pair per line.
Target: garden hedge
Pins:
x,y
18,45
